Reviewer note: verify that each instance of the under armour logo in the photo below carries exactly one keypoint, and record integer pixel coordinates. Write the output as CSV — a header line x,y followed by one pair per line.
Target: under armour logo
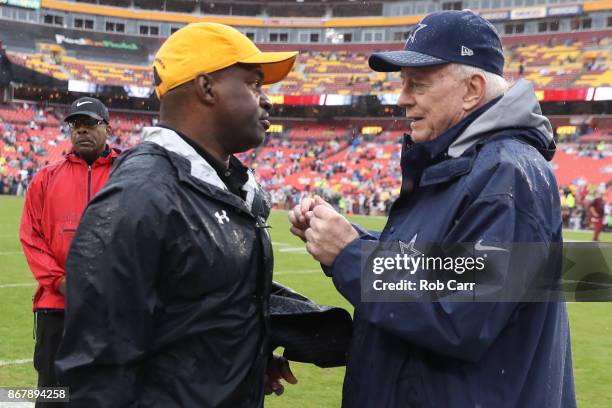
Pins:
x,y
414,32
465,51
222,218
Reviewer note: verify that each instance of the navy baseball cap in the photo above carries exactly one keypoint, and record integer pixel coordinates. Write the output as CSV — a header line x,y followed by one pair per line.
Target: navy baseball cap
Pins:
x,y
446,36
87,106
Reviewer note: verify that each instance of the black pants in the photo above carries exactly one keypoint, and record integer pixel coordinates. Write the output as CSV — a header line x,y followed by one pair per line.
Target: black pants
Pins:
x,y
49,328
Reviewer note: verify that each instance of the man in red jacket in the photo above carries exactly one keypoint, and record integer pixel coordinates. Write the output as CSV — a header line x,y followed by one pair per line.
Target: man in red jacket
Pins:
x,y
55,201
597,211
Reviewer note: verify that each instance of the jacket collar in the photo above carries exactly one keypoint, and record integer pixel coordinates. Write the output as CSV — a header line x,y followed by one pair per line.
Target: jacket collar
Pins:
x,y
428,162
199,168
435,150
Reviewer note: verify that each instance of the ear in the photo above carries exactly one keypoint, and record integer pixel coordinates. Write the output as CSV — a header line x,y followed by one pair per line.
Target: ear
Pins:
x,y
204,88
475,93
109,131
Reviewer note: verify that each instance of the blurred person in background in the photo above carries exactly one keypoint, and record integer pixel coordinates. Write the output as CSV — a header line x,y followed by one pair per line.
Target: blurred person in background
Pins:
x,y
596,211
55,201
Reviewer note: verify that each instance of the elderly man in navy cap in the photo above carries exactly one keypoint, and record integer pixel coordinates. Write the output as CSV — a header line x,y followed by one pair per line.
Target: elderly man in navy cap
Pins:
x,y
475,169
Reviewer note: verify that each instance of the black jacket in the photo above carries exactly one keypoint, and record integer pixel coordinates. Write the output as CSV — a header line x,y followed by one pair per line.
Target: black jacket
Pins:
x,y
168,283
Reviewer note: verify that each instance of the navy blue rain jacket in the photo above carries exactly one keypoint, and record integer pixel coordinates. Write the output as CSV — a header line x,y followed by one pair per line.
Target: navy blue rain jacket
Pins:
x,y
485,180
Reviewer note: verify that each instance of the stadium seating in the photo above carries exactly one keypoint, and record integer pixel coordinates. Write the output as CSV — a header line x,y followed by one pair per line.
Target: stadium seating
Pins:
x,y
39,139
306,155
98,72
576,62
109,74
571,163
555,66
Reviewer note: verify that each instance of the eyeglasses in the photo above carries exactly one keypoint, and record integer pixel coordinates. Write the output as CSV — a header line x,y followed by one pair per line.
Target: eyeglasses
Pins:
x,y
86,122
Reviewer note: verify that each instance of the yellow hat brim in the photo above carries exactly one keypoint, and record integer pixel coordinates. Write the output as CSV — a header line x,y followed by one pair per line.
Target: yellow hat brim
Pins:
x,y
274,65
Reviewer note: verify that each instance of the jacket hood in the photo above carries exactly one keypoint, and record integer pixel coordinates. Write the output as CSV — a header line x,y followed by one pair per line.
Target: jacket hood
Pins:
x,y
517,110
200,168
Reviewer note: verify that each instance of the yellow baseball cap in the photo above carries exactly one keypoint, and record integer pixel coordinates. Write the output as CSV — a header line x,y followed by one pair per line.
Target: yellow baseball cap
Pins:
x,y
208,47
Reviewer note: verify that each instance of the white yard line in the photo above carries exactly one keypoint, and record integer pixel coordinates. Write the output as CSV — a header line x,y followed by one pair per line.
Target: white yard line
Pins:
x,y
295,250
13,362
298,272
17,404
17,285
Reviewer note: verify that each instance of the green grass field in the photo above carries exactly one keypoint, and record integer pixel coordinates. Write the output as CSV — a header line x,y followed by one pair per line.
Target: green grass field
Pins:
x,y
591,322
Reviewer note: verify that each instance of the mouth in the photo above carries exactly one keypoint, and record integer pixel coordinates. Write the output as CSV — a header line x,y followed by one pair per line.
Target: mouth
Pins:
x,y
413,120
84,142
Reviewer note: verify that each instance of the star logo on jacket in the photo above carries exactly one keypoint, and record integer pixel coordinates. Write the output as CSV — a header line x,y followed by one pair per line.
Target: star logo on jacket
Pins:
x,y
222,217
412,36
408,248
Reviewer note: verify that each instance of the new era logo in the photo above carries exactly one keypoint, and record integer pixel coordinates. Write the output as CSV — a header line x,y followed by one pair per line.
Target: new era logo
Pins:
x,y
465,51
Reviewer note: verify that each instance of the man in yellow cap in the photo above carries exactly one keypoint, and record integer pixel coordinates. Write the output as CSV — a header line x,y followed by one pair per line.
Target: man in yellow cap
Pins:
x,y
169,274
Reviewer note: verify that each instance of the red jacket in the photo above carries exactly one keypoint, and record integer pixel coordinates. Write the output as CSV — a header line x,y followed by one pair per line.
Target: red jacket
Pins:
x,y
56,199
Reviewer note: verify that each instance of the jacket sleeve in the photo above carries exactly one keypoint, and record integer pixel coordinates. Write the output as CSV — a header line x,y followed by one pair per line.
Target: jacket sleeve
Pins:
x,y
110,295
463,330
366,234
45,268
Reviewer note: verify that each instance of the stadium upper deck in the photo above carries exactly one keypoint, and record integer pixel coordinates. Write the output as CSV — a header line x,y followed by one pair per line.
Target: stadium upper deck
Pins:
x,y
571,62
107,47
371,21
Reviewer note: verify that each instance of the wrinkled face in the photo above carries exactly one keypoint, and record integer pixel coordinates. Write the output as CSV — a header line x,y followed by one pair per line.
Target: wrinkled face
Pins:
x,y
433,98
88,136
243,108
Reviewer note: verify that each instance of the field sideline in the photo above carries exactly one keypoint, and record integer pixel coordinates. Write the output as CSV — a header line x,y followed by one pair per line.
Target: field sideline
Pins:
x,y
591,323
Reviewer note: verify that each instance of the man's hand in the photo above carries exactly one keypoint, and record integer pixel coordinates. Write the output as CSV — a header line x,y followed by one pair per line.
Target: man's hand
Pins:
x,y
62,287
299,216
328,234
278,367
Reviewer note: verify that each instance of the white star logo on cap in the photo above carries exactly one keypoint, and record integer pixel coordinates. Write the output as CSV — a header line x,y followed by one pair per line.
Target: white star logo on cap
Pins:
x,y
412,35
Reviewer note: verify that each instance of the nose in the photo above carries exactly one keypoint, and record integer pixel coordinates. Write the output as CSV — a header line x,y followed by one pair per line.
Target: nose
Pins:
x,y
265,102
406,99
81,128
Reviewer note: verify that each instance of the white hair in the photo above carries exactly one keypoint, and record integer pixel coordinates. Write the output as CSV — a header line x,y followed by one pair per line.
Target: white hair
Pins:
x,y
495,85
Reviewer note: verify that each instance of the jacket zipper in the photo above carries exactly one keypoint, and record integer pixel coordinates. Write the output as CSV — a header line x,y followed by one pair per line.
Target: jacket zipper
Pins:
x,y
88,183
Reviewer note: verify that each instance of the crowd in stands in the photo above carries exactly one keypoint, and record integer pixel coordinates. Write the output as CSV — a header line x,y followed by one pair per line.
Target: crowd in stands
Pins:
x,y
553,64
549,64
32,137
357,173
576,200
